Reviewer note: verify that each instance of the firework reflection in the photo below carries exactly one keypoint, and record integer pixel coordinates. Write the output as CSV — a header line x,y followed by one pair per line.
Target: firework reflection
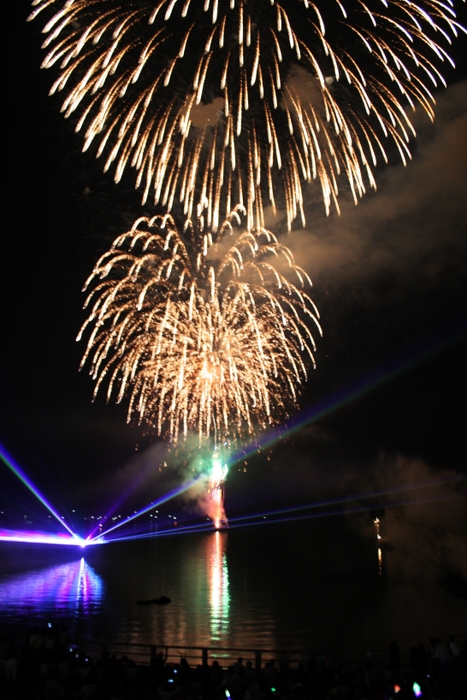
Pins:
x,y
218,582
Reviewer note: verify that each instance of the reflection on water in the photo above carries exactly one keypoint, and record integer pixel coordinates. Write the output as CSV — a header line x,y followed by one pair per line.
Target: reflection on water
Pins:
x,y
300,586
192,572
53,592
218,580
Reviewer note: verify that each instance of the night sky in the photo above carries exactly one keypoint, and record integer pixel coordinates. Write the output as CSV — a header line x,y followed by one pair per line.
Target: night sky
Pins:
x,y
390,281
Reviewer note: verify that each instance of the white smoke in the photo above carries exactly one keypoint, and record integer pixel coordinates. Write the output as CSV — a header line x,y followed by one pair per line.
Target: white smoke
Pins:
x,y
426,517
415,224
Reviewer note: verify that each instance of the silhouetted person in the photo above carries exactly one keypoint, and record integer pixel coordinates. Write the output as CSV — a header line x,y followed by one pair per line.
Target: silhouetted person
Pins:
x,y
158,664
239,668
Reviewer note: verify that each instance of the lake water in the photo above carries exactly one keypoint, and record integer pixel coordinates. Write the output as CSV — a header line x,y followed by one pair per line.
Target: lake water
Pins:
x,y
300,586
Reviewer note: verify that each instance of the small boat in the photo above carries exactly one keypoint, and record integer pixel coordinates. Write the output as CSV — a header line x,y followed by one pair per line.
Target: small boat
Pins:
x,y
163,600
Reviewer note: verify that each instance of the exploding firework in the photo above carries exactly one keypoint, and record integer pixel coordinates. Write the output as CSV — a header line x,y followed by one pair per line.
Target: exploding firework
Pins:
x,y
216,491
201,333
218,102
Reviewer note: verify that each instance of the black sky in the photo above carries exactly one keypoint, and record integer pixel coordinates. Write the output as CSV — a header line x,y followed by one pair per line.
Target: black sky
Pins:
x,y
390,281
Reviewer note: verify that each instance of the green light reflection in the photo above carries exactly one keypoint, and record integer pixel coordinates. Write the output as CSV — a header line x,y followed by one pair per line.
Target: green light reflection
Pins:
x,y
218,579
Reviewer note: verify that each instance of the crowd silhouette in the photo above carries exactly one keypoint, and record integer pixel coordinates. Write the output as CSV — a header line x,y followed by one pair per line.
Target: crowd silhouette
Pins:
x,y
46,665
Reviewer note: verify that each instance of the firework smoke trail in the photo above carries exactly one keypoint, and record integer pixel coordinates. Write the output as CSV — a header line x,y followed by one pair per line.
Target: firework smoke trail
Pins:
x,y
221,102
197,338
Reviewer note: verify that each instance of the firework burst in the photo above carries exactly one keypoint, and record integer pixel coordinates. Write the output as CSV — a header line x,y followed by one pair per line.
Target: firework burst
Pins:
x,y
215,102
200,332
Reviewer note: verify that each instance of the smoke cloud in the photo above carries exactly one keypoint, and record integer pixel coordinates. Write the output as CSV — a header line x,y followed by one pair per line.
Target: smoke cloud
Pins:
x,y
155,472
414,226
425,507
426,520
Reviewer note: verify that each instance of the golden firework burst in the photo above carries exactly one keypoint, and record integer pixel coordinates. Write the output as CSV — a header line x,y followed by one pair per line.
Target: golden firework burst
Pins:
x,y
211,336
215,102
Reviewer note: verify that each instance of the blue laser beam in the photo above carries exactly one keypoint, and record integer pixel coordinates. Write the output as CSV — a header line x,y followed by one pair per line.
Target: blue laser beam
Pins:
x,y
17,471
172,494
398,364
290,516
350,499
358,509
180,530
125,495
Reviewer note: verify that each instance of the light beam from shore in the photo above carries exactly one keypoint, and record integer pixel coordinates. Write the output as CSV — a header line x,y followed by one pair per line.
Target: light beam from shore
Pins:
x,y
17,471
172,494
406,359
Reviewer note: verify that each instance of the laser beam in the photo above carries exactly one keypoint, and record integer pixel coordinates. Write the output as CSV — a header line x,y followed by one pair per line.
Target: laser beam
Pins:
x,y
180,530
351,499
125,495
35,537
406,359
262,520
17,471
172,494
289,515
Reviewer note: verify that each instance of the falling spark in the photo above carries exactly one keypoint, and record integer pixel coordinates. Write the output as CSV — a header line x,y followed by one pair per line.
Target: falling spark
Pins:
x,y
215,102
199,331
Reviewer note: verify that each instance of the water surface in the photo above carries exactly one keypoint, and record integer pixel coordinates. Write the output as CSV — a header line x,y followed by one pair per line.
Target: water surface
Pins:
x,y
296,586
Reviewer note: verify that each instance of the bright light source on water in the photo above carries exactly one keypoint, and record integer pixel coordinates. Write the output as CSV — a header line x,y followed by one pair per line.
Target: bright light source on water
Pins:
x,y
79,541
35,537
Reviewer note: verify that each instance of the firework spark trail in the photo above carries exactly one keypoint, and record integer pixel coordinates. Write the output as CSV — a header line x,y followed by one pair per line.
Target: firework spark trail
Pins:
x,y
208,341
216,491
217,102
